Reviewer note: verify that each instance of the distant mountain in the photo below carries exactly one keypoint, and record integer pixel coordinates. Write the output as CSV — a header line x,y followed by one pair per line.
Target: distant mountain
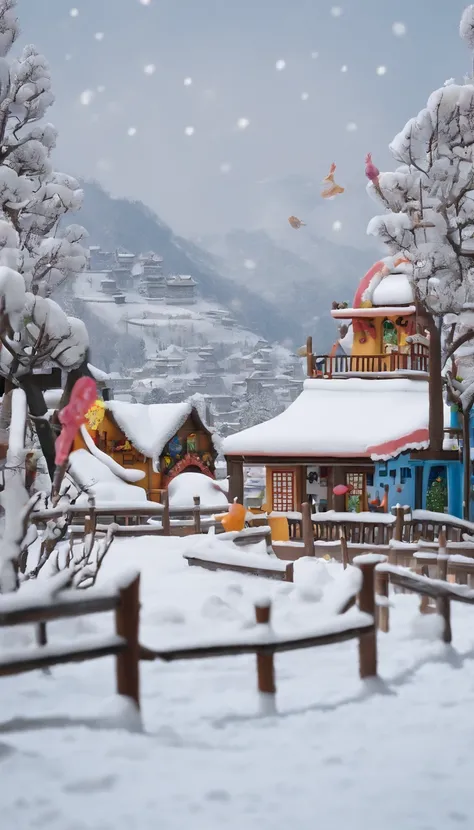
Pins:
x,y
304,287
114,223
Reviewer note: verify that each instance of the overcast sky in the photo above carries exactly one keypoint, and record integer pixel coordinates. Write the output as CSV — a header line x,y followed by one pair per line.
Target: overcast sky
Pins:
x,y
129,62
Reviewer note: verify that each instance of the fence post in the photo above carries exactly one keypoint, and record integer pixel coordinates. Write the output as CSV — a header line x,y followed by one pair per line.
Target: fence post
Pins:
x,y
381,590
443,604
399,522
442,562
309,357
345,556
165,521
307,529
265,666
197,514
366,602
289,572
127,624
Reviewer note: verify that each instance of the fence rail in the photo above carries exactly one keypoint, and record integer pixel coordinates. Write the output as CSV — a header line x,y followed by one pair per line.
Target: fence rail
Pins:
x,y
123,645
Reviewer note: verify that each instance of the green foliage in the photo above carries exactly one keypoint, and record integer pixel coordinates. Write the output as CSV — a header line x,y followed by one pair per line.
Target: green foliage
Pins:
x,y
437,496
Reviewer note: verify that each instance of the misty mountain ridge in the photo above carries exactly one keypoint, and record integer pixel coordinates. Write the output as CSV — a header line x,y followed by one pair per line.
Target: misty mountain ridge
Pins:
x,y
268,287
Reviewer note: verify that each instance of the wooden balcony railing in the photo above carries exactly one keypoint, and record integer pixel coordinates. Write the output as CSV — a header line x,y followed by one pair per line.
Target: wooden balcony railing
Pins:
x,y
326,366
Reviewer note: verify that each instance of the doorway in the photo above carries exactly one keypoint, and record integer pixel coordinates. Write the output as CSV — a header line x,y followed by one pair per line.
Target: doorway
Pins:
x,y
356,498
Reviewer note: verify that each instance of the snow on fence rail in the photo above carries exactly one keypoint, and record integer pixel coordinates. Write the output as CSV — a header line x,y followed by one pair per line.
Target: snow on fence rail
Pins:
x,y
16,609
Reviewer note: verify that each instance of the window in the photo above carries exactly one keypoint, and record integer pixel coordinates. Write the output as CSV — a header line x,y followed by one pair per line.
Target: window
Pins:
x,y
283,491
390,336
383,471
369,479
405,474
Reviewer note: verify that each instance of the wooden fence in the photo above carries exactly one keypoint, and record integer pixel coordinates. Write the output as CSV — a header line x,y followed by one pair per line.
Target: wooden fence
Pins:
x,y
151,519
265,643
123,645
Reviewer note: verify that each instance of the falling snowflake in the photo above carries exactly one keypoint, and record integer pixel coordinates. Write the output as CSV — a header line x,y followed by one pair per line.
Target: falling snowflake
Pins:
x,y
351,127
336,11
243,123
145,2
189,130
344,67
101,88
149,69
250,264
74,12
86,97
132,130
188,81
314,55
337,225
280,65
67,57
225,167
99,35
399,29
381,70
304,96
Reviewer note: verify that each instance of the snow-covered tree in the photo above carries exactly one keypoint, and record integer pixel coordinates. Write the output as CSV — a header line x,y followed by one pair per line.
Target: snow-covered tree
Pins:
x,y
429,215
260,405
36,253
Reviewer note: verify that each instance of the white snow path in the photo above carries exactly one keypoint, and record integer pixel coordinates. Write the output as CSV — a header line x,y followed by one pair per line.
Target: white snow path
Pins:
x,y
395,754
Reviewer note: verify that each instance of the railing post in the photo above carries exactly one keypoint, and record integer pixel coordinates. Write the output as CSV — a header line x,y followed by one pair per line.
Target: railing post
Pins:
x,y
265,665
289,572
309,357
307,529
197,514
382,590
127,624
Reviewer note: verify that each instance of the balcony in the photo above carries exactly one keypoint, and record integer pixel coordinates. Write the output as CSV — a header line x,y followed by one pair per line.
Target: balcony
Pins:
x,y
329,366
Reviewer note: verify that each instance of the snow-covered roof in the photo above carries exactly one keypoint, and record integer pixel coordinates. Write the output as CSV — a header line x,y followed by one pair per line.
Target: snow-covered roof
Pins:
x,y
351,417
150,427
393,290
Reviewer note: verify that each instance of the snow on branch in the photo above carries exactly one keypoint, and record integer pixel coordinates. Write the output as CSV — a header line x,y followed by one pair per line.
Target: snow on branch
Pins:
x,y
429,199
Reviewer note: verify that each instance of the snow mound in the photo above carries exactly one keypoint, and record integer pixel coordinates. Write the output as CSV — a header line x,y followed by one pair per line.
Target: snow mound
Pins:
x,y
185,486
99,480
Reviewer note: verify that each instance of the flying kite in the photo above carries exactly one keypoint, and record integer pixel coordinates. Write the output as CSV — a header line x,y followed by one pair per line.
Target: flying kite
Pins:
x,y
331,188
295,222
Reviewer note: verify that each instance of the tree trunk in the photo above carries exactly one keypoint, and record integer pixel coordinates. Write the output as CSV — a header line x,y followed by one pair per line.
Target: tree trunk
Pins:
x,y
39,414
466,451
436,413
74,375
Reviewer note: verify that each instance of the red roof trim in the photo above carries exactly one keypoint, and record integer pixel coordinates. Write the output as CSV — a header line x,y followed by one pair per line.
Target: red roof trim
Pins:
x,y
418,436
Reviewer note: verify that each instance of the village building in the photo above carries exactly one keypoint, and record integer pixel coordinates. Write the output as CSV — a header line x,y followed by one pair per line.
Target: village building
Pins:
x,y
361,423
161,440
181,289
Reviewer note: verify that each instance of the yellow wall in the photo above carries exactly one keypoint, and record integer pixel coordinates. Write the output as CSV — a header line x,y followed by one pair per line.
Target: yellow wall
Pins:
x,y
109,432
374,346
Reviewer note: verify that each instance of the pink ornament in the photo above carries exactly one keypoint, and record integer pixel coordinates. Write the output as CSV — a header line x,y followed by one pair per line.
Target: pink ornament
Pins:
x,y
341,490
83,395
399,489
371,171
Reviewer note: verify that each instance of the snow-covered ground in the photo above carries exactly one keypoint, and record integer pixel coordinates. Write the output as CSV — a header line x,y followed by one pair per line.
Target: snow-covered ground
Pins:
x,y
393,754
